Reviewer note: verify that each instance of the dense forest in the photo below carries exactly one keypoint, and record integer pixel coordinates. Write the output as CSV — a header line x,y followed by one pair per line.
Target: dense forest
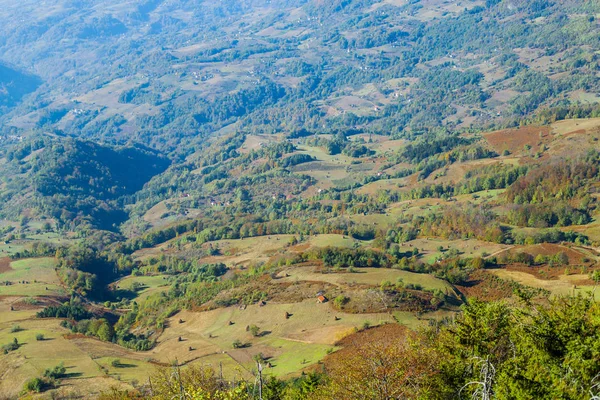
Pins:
x,y
77,182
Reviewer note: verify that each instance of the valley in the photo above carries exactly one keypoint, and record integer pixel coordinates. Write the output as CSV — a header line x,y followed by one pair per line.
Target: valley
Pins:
x,y
275,279
299,199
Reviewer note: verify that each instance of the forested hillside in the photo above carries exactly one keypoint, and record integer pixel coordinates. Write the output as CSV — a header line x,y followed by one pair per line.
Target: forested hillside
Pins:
x,y
389,67
77,182
13,86
168,75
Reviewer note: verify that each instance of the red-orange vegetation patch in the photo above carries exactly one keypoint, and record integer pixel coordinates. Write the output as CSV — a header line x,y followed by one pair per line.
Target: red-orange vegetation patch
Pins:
x,y
382,333
412,180
40,302
577,132
484,285
270,253
388,333
231,250
71,336
575,256
548,273
300,247
5,265
514,140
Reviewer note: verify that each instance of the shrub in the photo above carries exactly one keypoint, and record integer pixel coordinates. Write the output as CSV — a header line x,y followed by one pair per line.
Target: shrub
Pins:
x,y
11,346
237,344
55,373
137,286
34,385
47,381
254,330
540,259
340,301
15,329
39,337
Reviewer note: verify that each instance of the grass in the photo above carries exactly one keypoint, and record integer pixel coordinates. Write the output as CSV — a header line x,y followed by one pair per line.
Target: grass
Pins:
x,y
151,284
409,319
257,245
384,184
233,251
331,170
480,197
572,125
564,285
83,358
12,248
591,230
247,251
368,276
129,369
19,245
232,370
321,155
467,248
50,237
332,240
295,356
39,274
7,316
380,220
35,356
306,335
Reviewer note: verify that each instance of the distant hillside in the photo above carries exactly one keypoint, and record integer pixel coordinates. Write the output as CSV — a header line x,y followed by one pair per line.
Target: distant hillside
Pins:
x,y
206,83
14,85
170,74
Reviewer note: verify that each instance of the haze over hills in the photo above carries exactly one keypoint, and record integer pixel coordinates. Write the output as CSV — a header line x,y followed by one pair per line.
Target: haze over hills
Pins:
x,y
143,64
307,185
14,85
169,75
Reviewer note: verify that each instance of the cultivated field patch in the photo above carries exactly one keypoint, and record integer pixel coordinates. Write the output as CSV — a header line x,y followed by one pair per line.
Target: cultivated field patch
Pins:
x,y
365,276
301,339
31,277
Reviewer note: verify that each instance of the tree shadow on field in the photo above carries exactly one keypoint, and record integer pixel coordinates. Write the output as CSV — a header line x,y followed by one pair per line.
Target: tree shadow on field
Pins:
x,y
124,365
471,283
71,375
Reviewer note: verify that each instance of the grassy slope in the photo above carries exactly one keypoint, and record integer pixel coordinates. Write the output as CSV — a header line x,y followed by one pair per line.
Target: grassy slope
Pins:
x,y
37,277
